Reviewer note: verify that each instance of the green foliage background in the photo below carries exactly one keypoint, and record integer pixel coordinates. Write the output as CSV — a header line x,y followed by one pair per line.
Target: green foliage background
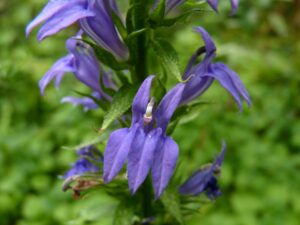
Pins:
x,y
260,176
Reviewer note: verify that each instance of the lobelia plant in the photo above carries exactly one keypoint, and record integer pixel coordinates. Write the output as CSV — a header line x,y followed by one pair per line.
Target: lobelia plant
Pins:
x,y
110,54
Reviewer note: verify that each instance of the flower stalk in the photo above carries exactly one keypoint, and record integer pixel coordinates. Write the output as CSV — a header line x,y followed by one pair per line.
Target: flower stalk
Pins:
x,y
138,46
138,111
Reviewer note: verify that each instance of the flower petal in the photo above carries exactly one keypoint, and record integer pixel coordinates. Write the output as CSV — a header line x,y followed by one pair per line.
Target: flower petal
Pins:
x,y
87,68
212,189
116,151
200,180
48,11
141,100
210,46
88,103
62,66
92,152
81,166
195,87
197,83
86,64
164,163
172,4
231,82
197,183
192,60
168,105
102,29
140,157
234,6
214,4
63,19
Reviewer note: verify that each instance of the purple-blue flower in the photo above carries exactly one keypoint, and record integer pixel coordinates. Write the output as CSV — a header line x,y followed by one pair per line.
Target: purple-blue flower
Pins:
x,y
145,144
201,76
204,180
82,62
84,164
94,17
215,3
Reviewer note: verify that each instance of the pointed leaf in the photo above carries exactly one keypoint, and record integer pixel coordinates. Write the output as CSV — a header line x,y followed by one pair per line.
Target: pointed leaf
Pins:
x,y
171,202
121,102
129,20
119,24
168,56
159,12
124,214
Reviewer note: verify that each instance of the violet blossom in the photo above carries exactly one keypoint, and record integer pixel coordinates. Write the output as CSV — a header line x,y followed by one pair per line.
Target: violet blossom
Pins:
x,y
85,163
204,180
145,144
82,62
94,17
201,76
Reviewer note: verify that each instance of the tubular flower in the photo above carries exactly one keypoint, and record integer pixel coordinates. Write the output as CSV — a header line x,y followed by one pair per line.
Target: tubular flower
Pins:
x,y
215,3
84,164
95,19
204,180
201,76
145,144
82,62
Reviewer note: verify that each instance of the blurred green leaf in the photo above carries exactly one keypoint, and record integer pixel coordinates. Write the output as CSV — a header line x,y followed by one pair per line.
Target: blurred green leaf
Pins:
x,y
171,202
124,214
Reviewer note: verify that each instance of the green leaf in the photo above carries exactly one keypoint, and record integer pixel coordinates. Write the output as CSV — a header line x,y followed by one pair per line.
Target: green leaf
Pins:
x,y
129,20
172,21
101,137
135,33
119,24
168,57
121,102
125,213
159,12
171,202
158,90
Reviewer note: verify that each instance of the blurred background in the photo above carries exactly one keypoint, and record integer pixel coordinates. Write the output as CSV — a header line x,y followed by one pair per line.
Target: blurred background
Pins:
x,y
260,176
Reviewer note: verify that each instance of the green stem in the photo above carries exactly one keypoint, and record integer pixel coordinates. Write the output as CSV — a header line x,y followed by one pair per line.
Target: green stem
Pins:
x,y
146,198
140,41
